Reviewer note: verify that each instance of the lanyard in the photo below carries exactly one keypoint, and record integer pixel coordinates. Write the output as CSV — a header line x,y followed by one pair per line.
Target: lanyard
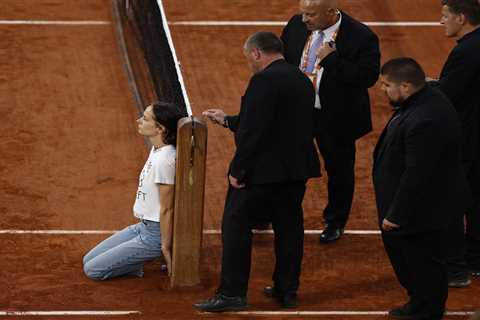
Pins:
x,y
306,51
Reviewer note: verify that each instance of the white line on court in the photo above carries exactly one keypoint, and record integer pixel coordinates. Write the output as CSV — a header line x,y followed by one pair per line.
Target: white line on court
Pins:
x,y
282,23
332,313
54,22
253,313
57,231
67,313
207,232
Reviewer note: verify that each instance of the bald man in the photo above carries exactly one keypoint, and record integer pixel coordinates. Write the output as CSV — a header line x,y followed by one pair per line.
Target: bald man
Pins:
x,y
341,57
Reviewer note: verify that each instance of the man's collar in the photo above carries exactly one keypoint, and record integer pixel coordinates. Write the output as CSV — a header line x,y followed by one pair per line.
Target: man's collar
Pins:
x,y
468,35
274,62
413,98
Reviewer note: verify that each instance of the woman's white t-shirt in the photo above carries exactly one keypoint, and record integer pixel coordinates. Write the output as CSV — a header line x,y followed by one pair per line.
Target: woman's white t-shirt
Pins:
x,y
159,169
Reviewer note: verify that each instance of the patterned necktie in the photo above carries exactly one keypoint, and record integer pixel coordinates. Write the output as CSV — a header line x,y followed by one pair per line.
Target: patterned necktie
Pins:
x,y
312,53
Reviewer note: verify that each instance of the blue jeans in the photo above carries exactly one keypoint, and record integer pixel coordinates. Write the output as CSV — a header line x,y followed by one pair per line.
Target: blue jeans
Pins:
x,y
124,252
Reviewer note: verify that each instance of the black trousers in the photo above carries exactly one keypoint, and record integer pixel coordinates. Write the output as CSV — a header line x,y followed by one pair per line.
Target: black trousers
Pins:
x,y
281,204
463,248
339,157
419,264
473,217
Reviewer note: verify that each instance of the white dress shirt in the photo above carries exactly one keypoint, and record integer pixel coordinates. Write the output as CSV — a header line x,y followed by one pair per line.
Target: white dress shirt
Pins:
x,y
329,33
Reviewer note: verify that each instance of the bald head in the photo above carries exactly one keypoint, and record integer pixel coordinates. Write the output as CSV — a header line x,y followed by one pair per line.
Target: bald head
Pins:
x,y
328,3
319,14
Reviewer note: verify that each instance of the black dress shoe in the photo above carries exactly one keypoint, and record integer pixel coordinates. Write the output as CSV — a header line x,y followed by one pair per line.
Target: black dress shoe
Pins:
x,y
408,311
221,303
288,300
331,234
459,280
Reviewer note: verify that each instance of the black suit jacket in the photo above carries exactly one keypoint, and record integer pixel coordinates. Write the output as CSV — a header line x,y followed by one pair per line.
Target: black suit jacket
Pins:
x,y
274,129
460,80
418,177
348,73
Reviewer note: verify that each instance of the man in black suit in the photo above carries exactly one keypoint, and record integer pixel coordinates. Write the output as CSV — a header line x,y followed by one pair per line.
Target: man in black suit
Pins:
x,y
274,158
459,81
341,57
419,183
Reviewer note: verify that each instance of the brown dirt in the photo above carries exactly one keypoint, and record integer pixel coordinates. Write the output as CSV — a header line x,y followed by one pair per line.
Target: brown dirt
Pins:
x,y
70,158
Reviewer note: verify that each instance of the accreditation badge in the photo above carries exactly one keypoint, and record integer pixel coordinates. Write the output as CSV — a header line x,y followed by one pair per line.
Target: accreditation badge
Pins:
x,y
313,77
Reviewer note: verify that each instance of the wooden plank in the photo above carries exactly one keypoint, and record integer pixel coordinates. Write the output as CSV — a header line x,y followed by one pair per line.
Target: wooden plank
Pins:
x,y
189,200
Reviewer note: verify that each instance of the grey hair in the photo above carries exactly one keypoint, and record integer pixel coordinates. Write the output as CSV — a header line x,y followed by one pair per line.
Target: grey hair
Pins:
x,y
265,41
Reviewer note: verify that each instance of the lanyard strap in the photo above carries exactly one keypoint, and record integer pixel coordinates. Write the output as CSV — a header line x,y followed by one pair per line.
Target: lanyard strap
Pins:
x,y
306,52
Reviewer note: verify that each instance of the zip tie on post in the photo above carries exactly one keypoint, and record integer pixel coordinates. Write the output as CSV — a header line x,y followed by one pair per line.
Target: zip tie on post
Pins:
x,y
192,142
192,152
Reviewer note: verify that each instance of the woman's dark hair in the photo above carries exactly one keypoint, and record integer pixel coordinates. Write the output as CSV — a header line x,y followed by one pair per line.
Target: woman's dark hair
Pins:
x,y
167,114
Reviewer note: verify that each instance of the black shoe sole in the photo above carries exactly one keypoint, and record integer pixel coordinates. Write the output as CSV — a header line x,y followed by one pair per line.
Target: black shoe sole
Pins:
x,y
289,306
414,317
225,309
323,240
459,284
269,293
330,240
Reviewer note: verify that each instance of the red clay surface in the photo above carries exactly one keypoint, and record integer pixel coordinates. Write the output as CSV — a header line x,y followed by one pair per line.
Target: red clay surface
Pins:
x,y
71,155
351,275
281,10
55,10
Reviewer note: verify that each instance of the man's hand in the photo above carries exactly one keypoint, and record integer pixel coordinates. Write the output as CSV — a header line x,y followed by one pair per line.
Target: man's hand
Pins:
x,y
215,115
389,226
234,182
325,49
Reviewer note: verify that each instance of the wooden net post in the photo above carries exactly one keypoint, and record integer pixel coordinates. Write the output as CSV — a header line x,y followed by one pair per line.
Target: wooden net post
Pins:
x,y
189,199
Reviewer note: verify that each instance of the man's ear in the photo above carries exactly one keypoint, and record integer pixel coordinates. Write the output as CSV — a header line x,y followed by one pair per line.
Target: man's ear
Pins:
x,y
405,86
256,53
461,19
332,11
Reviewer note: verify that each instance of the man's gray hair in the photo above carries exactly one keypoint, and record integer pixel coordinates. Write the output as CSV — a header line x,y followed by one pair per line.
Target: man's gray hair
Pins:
x,y
267,42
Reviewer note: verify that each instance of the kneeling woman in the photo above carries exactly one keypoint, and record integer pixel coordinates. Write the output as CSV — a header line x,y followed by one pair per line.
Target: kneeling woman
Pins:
x,y
125,252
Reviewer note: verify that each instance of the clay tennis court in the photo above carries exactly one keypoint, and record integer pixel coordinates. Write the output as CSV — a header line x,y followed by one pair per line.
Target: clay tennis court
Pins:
x,y
70,158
